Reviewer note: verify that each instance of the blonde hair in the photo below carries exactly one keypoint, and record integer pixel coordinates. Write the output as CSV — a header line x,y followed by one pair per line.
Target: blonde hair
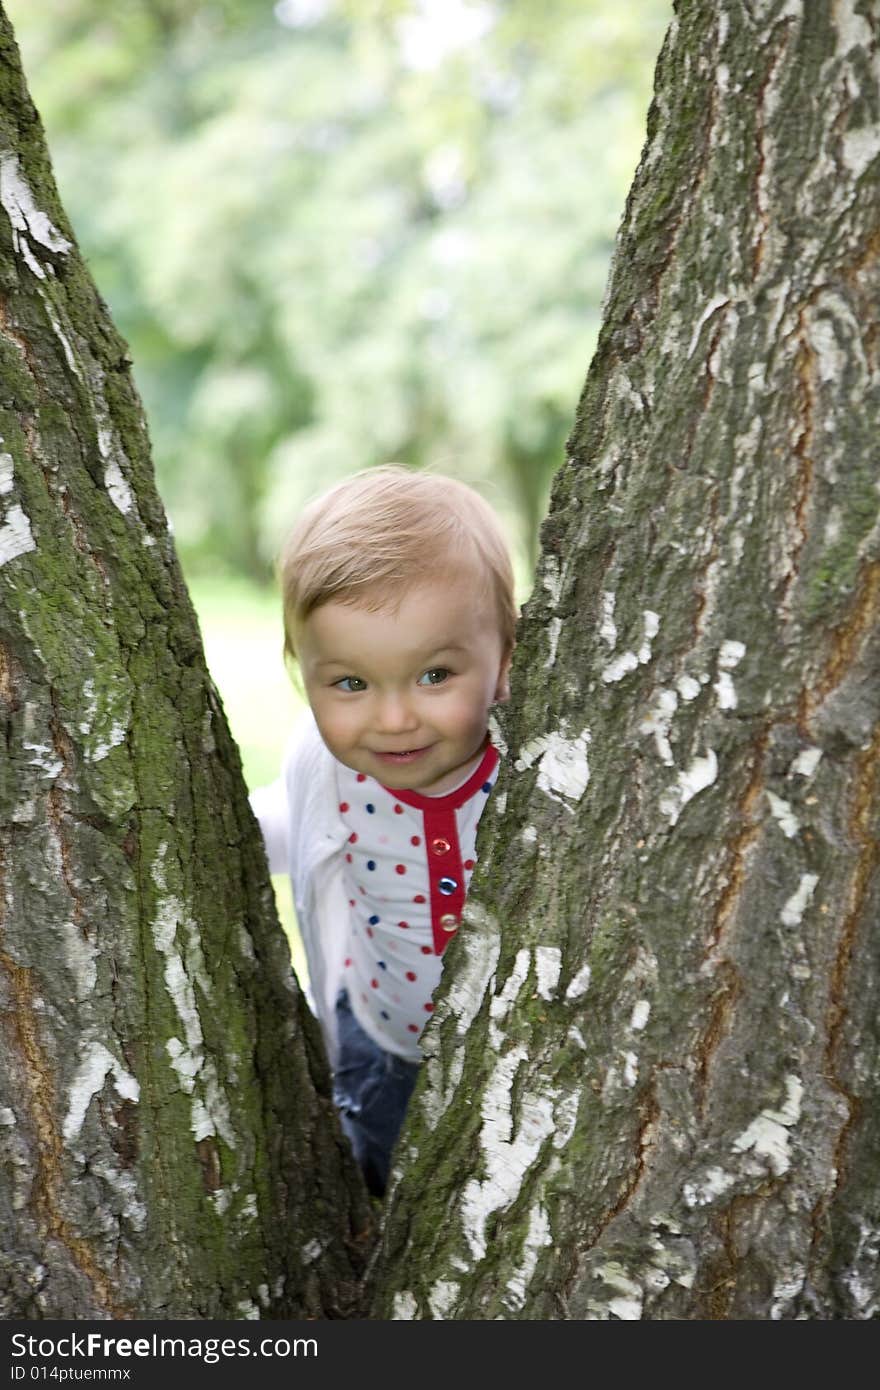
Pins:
x,y
374,535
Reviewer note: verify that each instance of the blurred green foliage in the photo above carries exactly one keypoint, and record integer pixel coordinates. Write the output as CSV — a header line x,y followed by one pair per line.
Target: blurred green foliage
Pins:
x,y
337,234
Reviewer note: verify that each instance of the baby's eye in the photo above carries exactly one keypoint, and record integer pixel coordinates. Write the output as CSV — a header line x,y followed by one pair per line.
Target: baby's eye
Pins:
x,y
435,676
351,684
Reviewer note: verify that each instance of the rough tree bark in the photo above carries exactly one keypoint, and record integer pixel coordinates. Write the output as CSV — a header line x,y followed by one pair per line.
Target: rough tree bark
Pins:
x,y
167,1138
652,1088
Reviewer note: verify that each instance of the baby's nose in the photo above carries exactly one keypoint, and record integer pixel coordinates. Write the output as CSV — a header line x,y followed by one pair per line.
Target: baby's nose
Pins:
x,y
395,713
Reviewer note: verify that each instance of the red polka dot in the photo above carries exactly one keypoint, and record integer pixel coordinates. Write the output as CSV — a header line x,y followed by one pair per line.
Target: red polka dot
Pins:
x,y
426,951
429,1008
362,777
348,960
351,902
352,839
419,898
403,924
374,984
400,868
348,859
398,810
416,840
413,1027
410,974
343,805
469,863
369,931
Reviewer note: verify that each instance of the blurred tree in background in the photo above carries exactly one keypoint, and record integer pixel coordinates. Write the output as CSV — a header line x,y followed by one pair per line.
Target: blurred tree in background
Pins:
x,y
336,234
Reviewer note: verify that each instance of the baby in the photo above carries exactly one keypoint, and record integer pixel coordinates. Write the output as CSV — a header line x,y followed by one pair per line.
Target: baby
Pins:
x,y
399,609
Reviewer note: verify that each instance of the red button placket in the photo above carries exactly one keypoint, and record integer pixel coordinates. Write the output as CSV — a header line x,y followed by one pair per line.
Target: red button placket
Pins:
x,y
443,854
442,849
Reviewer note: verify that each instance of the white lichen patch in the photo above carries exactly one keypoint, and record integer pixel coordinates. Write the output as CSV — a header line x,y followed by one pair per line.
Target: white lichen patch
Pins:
x,y
630,1069
860,148
120,493
554,628
853,29
185,1063
563,767
501,1003
442,1298
658,721
783,815
725,691
26,219
768,1135
7,476
607,627
79,955
579,983
548,964
248,1310
701,774
640,1015
537,1238
95,1064
311,1251
201,1124
652,627
403,1307
106,717
620,667
786,1290
806,762
507,1155
717,302
575,1035
796,905
687,687
528,835
16,537
714,1183
566,1113
730,654
628,1301
482,944
210,1113
551,578
495,734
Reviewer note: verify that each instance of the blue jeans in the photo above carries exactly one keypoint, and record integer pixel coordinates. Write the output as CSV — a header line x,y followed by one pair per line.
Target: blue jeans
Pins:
x,y
371,1090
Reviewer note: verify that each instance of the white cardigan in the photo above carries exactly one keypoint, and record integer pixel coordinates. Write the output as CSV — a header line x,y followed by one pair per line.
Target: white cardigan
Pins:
x,y
304,836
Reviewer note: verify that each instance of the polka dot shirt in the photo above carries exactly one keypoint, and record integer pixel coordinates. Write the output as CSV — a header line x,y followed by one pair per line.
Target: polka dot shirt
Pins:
x,y
407,866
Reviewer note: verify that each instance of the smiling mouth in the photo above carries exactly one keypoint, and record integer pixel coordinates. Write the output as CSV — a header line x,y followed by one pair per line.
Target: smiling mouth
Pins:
x,y
401,757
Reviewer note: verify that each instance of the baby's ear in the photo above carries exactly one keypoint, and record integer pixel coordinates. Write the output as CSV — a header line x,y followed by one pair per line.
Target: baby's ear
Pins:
x,y
502,687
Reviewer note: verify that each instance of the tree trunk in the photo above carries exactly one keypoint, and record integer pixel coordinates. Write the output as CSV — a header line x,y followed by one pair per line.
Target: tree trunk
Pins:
x,y
167,1137
652,1085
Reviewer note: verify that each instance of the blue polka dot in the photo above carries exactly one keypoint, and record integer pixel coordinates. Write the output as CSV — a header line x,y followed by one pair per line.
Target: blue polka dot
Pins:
x,y
371,863
384,1015
370,807
486,787
381,964
373,921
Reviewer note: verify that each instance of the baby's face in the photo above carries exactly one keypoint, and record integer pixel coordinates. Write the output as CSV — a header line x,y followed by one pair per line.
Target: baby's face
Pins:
x,y
404,695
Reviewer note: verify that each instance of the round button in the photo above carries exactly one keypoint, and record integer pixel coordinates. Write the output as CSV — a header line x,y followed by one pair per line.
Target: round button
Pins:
x,y
441,846
447,886
449,921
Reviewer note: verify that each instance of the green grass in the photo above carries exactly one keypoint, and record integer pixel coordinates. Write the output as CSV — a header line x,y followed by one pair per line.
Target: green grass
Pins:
x,y
242,634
